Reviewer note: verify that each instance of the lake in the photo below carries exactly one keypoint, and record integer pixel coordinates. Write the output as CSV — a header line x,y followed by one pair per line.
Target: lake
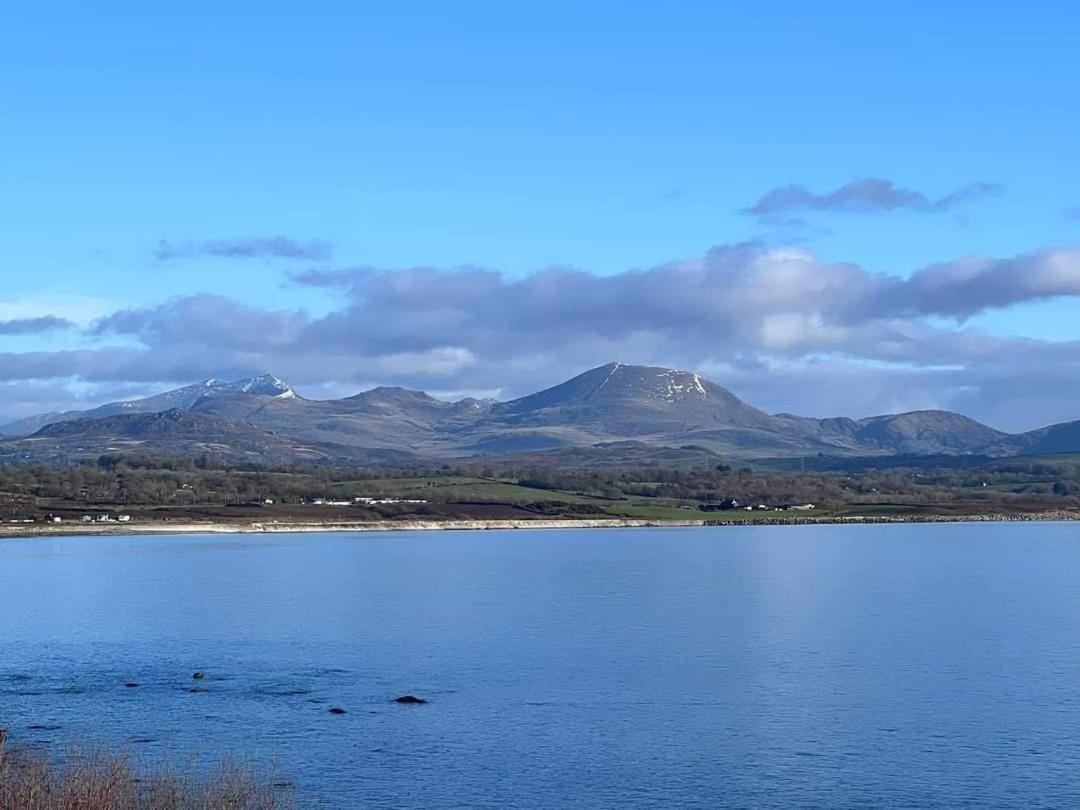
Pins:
x,y
810,666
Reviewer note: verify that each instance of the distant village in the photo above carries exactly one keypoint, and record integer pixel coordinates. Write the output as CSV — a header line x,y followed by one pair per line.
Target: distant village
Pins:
x,y
104,518
729,504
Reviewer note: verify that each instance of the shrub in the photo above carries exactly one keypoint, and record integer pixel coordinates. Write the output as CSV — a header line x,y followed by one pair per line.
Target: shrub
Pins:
x,y
99,779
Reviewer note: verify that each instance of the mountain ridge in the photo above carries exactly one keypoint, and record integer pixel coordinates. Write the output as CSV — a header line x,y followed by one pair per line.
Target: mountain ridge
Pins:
x,y
615,402
183,398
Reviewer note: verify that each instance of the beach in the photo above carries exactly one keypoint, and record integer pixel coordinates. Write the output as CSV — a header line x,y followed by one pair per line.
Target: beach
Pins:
x,y
282,526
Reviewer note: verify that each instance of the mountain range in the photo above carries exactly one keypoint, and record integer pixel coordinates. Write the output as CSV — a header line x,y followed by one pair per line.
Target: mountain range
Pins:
x,y
264,418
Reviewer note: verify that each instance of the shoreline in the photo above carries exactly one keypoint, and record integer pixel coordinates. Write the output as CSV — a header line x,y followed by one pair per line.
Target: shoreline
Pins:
x,y
285,527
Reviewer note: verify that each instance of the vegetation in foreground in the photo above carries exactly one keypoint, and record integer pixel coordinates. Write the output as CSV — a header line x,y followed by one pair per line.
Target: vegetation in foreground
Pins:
x,y
102,780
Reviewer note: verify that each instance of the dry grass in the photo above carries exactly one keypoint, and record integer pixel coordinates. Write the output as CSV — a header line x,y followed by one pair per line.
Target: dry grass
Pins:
x,y
99,779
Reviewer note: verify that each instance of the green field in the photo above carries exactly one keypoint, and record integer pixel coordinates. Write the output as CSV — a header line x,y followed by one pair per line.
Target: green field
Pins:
x,y
457,488
489,490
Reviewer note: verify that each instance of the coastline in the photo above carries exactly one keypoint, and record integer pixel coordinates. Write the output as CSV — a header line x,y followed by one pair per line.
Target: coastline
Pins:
x,y
9,531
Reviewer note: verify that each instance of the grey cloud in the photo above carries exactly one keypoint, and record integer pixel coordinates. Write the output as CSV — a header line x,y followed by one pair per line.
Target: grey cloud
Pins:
x,y
866,196
965,287
742,298
269,247
343,279
205,320
34,326
24,398
748,296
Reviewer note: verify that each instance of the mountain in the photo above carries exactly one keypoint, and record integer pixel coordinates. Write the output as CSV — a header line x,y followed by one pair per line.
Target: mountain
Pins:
x,y
1060,438
181,432
170,430
602,409
184,398
618,401
625,400
385,417
912,433
926,433
661,405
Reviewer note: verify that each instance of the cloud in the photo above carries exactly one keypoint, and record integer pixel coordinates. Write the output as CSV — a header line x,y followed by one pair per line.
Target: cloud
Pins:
x,y
205,320
968,286
47,303
34,326
866,196
270,247
785,328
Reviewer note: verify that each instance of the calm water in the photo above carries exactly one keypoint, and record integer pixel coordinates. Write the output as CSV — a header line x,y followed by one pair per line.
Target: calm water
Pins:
x,y
898,666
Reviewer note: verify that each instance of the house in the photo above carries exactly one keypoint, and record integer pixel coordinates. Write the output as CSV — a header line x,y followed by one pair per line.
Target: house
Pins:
x,y
806,507
124,518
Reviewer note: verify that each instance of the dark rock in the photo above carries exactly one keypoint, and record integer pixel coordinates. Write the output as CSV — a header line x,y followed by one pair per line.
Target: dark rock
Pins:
x,y
336,710
132,685
199,676
412,700
198,689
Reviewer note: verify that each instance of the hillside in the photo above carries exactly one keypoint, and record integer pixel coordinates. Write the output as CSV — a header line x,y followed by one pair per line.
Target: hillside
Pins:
x,y
179,432
912,433
1061,438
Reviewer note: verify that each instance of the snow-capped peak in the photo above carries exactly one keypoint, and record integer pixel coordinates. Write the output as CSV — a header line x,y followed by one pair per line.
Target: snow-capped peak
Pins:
x,y
265,385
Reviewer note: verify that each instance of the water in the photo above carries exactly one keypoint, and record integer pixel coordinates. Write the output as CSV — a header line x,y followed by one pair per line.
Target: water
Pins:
x,y
876,666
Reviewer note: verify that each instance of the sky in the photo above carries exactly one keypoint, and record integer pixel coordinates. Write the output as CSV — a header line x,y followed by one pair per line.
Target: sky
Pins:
x,y
830,208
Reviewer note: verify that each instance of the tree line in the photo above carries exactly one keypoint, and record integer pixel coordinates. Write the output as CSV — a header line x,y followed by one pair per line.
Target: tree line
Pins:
x,y
166,480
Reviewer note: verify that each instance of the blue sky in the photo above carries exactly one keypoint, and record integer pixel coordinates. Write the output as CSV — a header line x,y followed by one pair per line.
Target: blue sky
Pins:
x,y
598,136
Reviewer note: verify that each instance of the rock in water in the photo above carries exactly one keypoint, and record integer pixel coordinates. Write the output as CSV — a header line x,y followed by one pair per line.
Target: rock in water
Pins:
x,y
199,676
410,700
132,685
337,710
